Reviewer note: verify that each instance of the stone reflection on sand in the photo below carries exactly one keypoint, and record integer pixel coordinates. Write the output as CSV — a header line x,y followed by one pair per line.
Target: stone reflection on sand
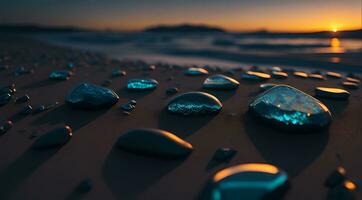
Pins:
x,y
291,109
141,84
194,103
250,181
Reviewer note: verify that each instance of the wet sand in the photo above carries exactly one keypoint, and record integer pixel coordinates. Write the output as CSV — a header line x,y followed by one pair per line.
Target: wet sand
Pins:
x,y
55,174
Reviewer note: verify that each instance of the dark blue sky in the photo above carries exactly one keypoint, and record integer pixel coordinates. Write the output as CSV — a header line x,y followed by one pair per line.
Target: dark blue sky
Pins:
x,y
288,15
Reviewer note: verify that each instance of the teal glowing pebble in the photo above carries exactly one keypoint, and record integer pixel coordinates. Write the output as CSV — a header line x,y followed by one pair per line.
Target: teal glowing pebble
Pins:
x,y
252,181
141,84
194,103
291,109
220,82
60,75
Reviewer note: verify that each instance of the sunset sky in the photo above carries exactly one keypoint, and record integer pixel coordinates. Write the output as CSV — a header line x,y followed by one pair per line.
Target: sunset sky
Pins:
x,y
233,15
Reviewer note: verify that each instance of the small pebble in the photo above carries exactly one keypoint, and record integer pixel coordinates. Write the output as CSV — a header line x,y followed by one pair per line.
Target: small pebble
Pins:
x,y
27,110
224,154
4,127
171,91
350,85
22,99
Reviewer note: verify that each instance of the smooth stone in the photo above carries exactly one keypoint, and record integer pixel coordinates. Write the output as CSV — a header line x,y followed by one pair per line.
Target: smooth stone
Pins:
x,y
194,103
276,69
336,177
4,98
332,93
22,71
300,74
252,181
154,142
350,85
10,89
255,76
334,75
289,108
353,80
220,82
224,154
344,191
85,185
60,75
5,127
22,99
131,105
55,138
171,91
266,86
118,72
279,75
89,96
316,77
196,71
141,84
39,109
27,110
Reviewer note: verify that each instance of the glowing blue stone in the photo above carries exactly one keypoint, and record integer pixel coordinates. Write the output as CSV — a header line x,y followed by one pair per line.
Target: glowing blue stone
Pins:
x,y
90,97
141,84
220,82
289,108
196,71
252,181
194,103
154,142
60,75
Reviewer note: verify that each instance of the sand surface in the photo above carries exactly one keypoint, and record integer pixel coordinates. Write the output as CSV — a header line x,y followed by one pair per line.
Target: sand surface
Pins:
x,y
55,174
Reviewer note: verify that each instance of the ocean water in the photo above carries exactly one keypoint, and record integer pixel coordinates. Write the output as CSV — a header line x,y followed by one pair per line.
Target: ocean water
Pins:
x,y
220,49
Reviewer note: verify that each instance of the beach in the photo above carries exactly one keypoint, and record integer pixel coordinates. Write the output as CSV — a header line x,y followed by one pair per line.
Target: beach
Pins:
x,y
308,158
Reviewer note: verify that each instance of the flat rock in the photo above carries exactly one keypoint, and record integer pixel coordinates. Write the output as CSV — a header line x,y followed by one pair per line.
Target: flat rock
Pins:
x,y
141,84
89,96
334,75
350,85
353,80
316,77
291,109
154,142
252,181
279,75
220,82
331,93
194,103
255,76
300,74
60,75
196,71
55,138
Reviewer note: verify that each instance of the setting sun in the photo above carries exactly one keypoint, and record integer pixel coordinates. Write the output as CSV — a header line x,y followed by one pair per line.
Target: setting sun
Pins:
x,y
335,30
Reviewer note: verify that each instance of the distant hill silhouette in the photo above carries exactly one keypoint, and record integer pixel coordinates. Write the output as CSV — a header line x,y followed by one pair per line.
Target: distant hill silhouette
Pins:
x,y
37,28
184,28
